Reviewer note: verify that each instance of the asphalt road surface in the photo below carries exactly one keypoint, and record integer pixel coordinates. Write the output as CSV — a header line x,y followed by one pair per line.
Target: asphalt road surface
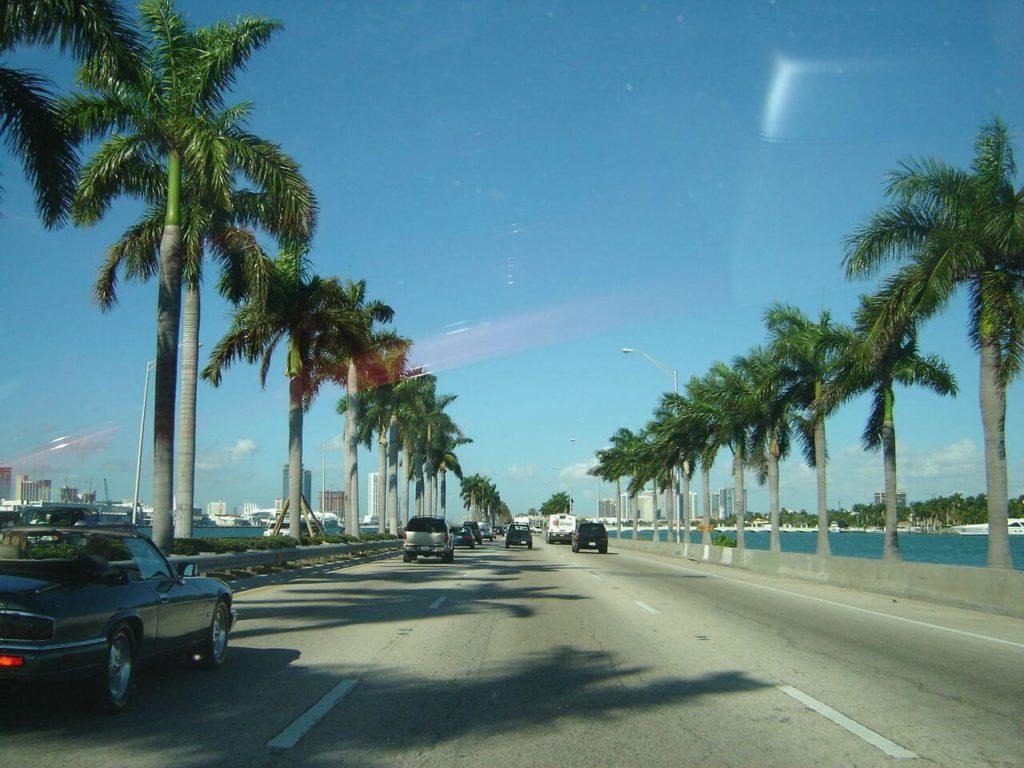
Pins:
x,y
542,657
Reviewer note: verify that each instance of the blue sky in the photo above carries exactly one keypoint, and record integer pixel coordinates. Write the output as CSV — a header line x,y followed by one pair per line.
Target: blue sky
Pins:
x,y
532,187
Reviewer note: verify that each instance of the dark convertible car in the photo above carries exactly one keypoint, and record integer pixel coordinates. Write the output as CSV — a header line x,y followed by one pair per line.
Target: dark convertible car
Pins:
x,y
92,604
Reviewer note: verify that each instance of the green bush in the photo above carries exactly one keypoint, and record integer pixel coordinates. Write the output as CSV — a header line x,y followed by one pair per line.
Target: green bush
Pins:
x,y
721,540
221,545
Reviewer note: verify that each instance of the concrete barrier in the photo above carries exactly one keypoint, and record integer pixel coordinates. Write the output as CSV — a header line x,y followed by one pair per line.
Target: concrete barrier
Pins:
x,y
983,589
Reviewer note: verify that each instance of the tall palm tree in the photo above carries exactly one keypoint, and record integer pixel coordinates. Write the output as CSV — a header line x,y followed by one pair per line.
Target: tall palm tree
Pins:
x,y
413,395
30,122
449,462
806,349
769,406
951,229
675,435
164,111
700,415
863,365
316,318
209,230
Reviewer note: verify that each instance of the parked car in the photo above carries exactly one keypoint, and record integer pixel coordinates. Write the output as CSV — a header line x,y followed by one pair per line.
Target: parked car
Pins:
x,y
427,537
590,536
519,535
486,532
474,526
89,605
463,537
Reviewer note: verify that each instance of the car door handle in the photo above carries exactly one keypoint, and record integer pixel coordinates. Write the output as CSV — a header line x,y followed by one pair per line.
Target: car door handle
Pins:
x,y
163,597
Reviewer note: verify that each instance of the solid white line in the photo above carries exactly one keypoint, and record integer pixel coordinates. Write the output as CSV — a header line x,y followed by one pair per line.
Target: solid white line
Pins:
x,y
890,748
290,736
597,577
833,603
647,608
437,603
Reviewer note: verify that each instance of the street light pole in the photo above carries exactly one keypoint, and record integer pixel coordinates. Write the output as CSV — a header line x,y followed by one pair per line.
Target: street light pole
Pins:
x,y
150,365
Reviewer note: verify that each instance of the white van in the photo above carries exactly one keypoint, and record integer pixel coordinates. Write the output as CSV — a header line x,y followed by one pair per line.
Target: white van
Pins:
x,y
560,528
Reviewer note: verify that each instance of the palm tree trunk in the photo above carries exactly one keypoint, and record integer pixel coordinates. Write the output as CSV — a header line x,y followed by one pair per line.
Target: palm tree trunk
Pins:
x,y
382,472
687,512
295,457
444,492
419,494
352,452
433,494
185,494
891,545
674,503
654,515
633,514
705,488
168,317
775,541
394,516
406,449
739,502
823,547
993,419
618,507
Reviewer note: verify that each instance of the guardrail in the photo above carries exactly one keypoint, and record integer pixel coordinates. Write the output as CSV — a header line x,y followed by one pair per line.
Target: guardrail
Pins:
x,y
240,561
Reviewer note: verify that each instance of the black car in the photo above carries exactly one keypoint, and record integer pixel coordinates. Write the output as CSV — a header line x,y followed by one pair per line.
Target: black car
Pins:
x,y
474,527
518,534
90,605
463,537
590,536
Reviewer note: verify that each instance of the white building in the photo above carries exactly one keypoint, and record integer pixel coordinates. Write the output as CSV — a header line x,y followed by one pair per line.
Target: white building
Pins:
x,y
375,497
218,508
645,505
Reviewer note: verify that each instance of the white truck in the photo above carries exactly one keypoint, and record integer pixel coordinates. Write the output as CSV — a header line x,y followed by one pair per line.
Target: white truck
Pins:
x,y
560,528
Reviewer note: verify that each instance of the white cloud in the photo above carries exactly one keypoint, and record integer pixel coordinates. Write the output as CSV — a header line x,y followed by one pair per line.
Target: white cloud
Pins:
x,y
578,471
521,471
220,458
960,459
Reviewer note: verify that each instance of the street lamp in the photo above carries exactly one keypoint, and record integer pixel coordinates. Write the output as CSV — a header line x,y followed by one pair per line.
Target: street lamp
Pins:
x,y
142,431
670,371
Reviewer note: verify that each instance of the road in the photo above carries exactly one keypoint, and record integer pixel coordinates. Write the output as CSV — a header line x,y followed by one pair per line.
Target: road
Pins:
x,y
544,658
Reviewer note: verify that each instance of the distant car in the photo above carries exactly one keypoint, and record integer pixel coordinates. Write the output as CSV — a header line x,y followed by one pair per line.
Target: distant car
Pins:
x,y
91,605
427,537
475,528
463,537
486,532
590,536
519,535
499,530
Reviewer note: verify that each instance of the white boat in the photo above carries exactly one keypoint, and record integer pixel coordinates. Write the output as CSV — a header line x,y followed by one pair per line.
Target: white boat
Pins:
x,y
1015,527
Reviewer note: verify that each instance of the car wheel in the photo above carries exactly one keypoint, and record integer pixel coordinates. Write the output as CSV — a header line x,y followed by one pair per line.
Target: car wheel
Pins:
x,y
215,647
112,685
603,550
508,546
529,546
406,558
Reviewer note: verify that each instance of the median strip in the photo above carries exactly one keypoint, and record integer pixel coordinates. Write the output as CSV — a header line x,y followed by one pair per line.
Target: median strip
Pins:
x,y
290,736
646,607
890,748
437,603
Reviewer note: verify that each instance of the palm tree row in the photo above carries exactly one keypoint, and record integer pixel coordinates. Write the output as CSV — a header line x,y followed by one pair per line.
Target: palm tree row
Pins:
x,y
947,228
481,498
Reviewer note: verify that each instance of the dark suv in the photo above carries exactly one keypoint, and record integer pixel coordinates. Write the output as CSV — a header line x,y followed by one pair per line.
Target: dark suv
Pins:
x,y
518,534
591,536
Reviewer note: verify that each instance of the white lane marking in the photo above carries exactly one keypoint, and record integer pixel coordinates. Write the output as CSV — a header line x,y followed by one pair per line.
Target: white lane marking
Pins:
x,y
597,577
437,603
466,573
647,608
833,603
290,736
890,748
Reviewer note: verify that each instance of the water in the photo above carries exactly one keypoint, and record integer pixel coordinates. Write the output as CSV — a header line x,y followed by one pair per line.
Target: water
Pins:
x,y
231,532
945,549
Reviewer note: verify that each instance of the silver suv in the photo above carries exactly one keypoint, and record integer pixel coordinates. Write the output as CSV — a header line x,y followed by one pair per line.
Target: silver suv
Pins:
x,y
427,537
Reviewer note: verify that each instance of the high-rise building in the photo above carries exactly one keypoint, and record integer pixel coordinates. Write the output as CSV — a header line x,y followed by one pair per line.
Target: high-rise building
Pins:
x,y
716,506
645,504
375,497
5,483
87,497
31,490
217,508
901,498
333,502
307,483
726,502
68,494
606,508
695,511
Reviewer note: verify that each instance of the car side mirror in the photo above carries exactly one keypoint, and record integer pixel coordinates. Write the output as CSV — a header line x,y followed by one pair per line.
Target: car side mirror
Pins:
x,y
187,569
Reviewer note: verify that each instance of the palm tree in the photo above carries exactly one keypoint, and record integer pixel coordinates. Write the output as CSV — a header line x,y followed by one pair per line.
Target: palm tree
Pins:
x,y
164,111
864,366
607,470
675,434
449,462
316,318
769,407
699,413
953,229
806,349
30,123
208,230
413,395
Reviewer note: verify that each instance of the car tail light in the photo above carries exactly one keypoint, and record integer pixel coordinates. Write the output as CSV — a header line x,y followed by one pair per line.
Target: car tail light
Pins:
x,y
12,661
445,538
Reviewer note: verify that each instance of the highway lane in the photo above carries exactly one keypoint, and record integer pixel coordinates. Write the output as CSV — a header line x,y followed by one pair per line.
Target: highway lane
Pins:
x,y
548,658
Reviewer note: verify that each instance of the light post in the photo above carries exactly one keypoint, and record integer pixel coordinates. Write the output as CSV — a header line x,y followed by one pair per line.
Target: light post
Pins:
x,y
674,373
572,442
150,365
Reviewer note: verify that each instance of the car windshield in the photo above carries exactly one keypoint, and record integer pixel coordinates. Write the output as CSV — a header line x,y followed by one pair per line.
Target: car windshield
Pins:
x,y
591,529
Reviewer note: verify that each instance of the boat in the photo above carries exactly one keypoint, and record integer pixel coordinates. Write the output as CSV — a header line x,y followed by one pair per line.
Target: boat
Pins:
x,y
1015,528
